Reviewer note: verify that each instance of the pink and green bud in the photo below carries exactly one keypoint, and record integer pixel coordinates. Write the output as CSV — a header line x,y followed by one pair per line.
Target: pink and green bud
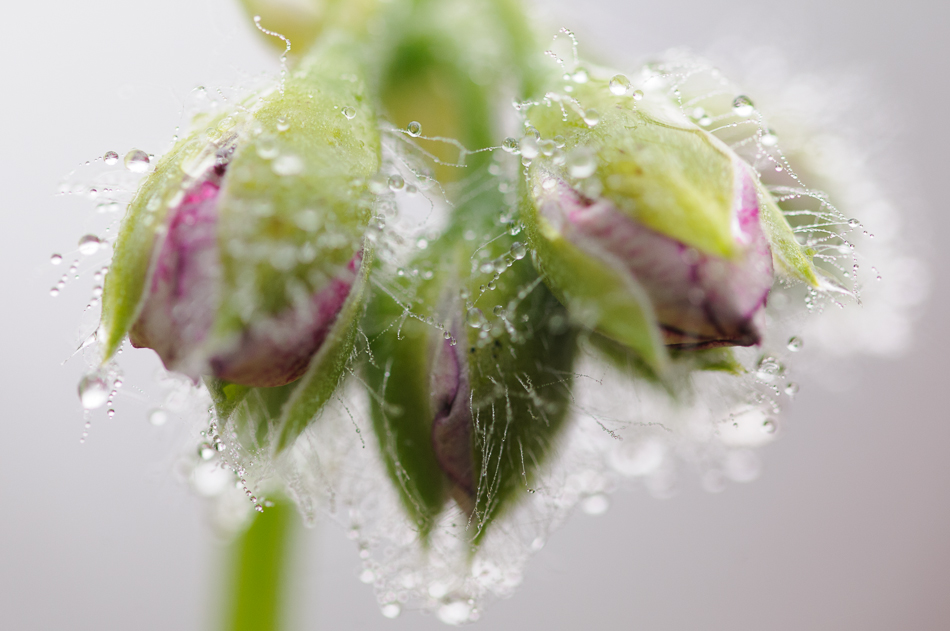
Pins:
x,y
241,257
470,394
652,231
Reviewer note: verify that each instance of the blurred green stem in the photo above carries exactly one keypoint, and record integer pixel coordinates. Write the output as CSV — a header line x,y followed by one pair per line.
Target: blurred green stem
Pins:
x,y
258,571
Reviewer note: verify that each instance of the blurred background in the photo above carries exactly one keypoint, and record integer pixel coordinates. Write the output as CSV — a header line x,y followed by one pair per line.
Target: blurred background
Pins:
x,y
846,528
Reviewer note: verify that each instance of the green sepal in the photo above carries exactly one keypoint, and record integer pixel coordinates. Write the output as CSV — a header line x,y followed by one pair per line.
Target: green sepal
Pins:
x,y
398,379
788,256
139,239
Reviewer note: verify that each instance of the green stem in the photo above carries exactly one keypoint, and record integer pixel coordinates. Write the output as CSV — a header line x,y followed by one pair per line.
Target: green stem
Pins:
x,y
258,572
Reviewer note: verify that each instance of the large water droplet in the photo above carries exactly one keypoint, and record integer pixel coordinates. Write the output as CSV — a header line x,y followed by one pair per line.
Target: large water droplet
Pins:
x,y
136,161
56,259
769,138
415,130
287,164
742,106
455,612
396,183
510,145
110,158
518,250
391,610
206,451
349,112
529,147
158,417
581,163
476,319
595,504
93,391
89,244
637,95
795,344
591,117
619,84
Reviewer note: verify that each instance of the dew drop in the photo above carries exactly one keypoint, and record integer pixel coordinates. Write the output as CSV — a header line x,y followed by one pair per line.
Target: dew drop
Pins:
x,y
158,417
397,183
510,145
769,138
54,291
476,319
794,344
288,164
854,223
518,250
267,147
56,259
455,612
529,147
89,244
768,369
742,106
414,128
136,161
391,610
580,76
791,389
595,504
110,158
93,391
282,124
367,576
581,163
619,84
205,451
349,112
591,117
769,426
637,95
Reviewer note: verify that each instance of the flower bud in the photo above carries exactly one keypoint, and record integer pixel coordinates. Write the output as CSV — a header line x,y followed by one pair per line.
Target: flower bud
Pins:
x,y
469,392
649,228
240,256
302,21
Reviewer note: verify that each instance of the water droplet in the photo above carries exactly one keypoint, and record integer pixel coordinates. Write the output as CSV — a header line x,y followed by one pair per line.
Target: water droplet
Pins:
x,y
205,451
794,344
158,417
422,244
110,158
415,130
591,117
619,84
529,147
854,223
791,389
56,259
282,124
769,138
136,161
349,112
547,147
581,163
367,576
54,291
637,95
288,164
89,244
510,145
518,250
391,610
476,319
500,311
742,106
397,183
595,504
768,369
93,391
769,426
455,612
267,147
580,76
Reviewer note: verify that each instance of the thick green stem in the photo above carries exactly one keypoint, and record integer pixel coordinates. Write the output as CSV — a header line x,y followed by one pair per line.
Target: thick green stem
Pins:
x,y
259,572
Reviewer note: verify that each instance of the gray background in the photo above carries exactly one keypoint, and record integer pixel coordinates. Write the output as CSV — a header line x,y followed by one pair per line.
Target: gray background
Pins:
x,y
847,528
